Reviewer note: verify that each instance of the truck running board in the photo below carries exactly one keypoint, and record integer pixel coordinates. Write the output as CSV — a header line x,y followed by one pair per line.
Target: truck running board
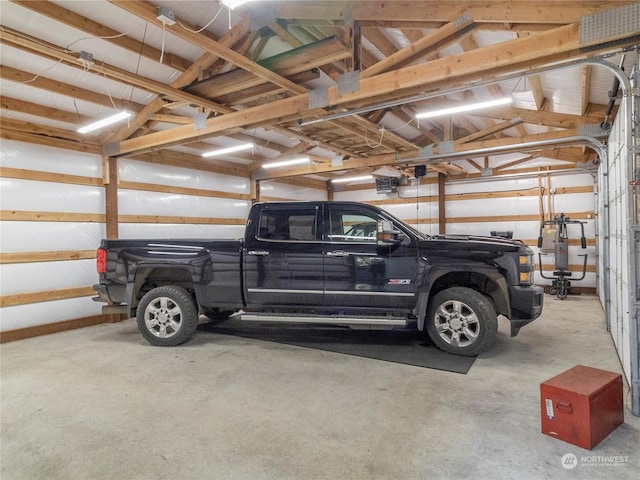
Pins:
x,y
325,319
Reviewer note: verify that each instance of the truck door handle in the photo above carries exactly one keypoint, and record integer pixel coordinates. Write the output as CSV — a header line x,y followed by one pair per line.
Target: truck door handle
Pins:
x,y
260,253
337,253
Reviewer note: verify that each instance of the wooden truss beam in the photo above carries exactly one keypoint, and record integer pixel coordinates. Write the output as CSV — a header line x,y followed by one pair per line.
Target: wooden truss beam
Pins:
x,y
147,11
506,144
60,88
501,12
49,141
549,119
13,37
498,127
46,131
188,76
16,105
442,37
287,64
562,42
96,29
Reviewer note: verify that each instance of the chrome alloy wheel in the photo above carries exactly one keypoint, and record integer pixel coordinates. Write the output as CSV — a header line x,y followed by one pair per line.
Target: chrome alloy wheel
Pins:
x,y
163,317
456,323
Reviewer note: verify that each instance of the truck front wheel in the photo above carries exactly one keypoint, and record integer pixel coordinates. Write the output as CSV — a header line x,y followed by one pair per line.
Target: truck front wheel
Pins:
x,y
462,321
167,316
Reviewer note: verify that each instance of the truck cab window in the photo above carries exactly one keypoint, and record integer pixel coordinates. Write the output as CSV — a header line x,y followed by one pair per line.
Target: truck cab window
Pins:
x,y
352,226
287,225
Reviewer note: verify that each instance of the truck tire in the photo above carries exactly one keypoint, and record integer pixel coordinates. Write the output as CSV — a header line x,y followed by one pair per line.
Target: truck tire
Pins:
x,y
461,321
167,316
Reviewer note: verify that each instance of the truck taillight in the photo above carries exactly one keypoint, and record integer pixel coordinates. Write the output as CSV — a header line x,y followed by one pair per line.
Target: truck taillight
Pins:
x,y
101,260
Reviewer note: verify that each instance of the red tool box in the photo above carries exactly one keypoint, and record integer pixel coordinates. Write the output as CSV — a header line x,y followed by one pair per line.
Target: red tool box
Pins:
x,y
582,405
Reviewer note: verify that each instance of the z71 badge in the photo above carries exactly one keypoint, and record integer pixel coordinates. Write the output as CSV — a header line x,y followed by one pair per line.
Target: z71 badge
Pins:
x,y
399,281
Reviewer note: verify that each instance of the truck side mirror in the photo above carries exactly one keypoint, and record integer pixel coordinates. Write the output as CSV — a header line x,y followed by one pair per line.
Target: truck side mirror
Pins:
x,y
539,242
583,242
386,235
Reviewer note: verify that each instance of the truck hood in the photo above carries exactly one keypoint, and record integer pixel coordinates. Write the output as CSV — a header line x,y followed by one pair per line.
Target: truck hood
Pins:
x,y
473,244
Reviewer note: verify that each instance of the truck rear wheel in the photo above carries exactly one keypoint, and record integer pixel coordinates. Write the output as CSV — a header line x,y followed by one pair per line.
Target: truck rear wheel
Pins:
x,y
462,321
167,316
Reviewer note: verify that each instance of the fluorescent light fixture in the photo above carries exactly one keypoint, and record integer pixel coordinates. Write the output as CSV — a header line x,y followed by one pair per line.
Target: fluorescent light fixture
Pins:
x,y
465,108
104,122
388,172
223,151
286,163
231,4
352,179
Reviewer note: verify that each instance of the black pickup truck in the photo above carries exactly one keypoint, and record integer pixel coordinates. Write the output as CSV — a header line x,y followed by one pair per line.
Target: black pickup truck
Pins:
x,y
338,263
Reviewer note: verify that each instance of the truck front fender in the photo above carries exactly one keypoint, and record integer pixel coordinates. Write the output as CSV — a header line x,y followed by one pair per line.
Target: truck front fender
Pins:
x,y
485,279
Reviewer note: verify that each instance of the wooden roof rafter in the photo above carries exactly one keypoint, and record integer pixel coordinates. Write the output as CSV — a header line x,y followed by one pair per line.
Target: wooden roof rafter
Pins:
x,y
279,102
548,45
26,42
506,145
96,29
423,47
501,11
148,12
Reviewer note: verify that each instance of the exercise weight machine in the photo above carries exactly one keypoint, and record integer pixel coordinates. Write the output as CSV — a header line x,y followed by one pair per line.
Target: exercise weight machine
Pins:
x,y
554,238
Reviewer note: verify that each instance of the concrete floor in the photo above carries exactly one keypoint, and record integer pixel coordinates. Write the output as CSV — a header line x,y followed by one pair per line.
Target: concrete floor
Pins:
x,y
101,403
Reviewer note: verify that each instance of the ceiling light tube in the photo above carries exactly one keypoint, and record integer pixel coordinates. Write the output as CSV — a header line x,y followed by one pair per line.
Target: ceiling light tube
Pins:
x,y
104,122
352,179
286,163
465,108
231,4
223,151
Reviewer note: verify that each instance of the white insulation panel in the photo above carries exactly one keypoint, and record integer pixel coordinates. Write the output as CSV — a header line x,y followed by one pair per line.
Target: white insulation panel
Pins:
x,y
133,202
411,212
49,236
35,236
136,171
573,202
491,207
158,231
507,185
17,194
28,156
291,192
521,230
41,276
34,314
